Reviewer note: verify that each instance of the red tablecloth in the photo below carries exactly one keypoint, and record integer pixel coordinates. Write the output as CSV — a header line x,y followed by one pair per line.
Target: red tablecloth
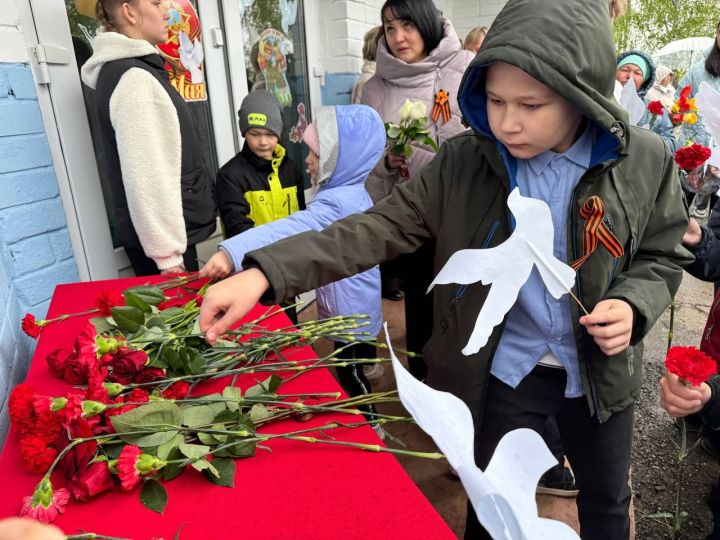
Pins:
x,y
297,491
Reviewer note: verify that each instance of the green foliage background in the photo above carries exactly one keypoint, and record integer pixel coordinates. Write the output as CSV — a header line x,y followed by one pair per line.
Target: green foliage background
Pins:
x,y
650,24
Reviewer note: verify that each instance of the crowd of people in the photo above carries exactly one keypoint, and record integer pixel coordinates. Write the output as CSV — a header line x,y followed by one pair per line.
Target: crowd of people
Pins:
x,y
537,107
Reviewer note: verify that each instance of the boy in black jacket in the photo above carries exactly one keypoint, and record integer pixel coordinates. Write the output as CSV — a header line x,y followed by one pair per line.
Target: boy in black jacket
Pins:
x,y
260,184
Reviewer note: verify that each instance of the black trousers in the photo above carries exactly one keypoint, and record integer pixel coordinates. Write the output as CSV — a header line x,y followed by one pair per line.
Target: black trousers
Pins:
x,y
352,378
143,265
598,453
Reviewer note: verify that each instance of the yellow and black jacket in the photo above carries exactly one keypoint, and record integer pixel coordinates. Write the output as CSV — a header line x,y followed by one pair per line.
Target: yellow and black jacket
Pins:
x,y
252,191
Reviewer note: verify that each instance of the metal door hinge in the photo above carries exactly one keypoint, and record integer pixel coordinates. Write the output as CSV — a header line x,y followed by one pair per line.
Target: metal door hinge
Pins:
x,y
44,55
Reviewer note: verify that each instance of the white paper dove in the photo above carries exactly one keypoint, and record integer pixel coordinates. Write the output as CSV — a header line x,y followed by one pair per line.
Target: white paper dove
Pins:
x,y
708,103
632,103
508,266
504,495
191,57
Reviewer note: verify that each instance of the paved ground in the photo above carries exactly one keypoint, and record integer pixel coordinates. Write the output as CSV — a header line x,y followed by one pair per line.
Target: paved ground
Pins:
x,y
653,452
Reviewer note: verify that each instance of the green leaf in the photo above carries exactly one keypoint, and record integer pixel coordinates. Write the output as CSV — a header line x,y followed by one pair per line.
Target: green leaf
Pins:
x,y
201,415
224,344
155,334
226,472
155,321
172,358
203,465
102,324
193,451
259,412
148,294
408,150
153,496
209,438
171,312
154,418
263,388
233,393
128,318
172,470
135,301
164,450
394,132
241,449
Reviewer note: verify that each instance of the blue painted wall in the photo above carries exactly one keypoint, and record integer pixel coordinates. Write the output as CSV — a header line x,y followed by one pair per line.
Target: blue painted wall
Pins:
x,y
35,249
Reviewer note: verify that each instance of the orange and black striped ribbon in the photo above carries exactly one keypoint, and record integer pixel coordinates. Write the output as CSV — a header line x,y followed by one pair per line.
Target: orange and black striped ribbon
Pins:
x,y
441,106
593,212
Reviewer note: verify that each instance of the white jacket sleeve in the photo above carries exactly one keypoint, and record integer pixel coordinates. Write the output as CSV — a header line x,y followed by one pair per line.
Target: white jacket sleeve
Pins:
x,y
147,131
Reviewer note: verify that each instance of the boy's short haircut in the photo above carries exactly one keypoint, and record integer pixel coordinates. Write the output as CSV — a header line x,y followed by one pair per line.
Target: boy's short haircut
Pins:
x,y
423,14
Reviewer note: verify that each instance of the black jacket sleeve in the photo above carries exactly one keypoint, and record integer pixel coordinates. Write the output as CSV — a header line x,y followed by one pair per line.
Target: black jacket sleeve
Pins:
x,y
298,181
710,413
234,208
707,252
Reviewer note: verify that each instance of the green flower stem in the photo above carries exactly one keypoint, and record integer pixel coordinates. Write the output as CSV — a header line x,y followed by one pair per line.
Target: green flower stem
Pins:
x,y
672,322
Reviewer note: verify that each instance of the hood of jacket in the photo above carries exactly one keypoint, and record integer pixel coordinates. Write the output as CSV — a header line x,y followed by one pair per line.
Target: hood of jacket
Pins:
x,y
644,87
352,141
579,65
109,46
407,75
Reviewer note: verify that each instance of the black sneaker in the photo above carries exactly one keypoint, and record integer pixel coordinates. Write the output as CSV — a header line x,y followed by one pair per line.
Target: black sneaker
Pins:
x,y
560,485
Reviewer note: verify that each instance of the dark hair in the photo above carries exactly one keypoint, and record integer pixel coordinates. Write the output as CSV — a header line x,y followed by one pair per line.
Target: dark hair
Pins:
x,y
423,14
712,62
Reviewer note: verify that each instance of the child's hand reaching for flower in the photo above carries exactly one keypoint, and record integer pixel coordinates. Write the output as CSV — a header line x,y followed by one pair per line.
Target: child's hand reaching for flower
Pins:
x,y
218,267
610,323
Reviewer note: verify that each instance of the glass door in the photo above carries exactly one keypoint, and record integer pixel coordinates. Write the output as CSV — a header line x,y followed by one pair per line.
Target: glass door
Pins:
x,y
275,55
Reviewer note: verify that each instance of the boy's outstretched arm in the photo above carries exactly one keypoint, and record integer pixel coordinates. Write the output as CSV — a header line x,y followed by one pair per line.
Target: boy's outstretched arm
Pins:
x,y
228,301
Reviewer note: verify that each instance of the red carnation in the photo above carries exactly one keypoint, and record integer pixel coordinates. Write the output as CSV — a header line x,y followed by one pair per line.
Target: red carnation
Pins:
x,y
95,479
691,365
96,391
138,395
86,344
149,374
656,108
35,454
177,390
174,301
126,363
691,157
73,408
56,361
107,300
30,326
45,504
20,408
129,476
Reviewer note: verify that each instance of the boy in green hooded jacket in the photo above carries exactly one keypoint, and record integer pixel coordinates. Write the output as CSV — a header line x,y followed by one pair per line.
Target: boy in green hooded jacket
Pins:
x,y
539,100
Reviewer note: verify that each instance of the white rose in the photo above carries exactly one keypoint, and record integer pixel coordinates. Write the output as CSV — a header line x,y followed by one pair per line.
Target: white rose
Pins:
x,y
406,110
418,111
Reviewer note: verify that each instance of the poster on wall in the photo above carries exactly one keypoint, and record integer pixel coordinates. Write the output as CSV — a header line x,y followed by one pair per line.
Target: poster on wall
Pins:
x,y
273,48
183,51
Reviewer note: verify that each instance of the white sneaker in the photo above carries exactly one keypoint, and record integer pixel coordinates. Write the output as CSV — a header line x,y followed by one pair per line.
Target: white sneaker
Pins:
x,y
374,371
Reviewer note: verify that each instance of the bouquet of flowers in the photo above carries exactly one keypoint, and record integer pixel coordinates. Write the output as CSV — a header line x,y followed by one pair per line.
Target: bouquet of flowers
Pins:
x,y
142,410
411,128
684,110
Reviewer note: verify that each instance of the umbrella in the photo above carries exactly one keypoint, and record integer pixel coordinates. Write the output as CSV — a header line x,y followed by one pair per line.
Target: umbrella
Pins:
x,y
683,53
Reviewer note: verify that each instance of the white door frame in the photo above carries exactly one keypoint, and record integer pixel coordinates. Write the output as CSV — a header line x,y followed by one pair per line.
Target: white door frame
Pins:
x,y
63,110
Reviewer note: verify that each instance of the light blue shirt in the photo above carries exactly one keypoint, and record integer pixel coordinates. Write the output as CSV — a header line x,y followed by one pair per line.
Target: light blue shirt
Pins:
x,y
538,324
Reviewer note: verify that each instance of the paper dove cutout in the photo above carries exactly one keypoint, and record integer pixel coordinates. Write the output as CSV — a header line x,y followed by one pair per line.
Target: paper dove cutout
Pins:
x,y
708,103
191,57
504,495
632,103
508,266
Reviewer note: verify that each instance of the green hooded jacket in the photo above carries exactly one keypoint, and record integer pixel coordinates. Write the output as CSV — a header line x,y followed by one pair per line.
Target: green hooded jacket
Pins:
x,y
460,201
